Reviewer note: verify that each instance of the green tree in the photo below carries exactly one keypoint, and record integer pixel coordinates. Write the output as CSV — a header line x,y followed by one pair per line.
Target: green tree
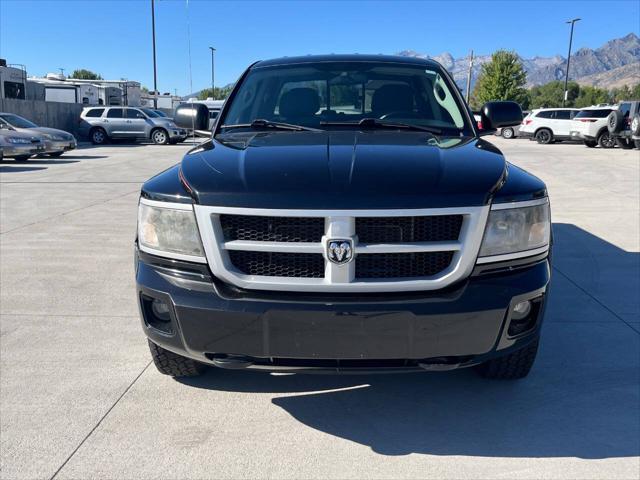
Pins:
x,y
85,74
635,92
217,94
502,78
550,95
590,96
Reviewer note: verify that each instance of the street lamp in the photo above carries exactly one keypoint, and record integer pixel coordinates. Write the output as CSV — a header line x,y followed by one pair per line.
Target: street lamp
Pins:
x,y
153,37
566,77
213,88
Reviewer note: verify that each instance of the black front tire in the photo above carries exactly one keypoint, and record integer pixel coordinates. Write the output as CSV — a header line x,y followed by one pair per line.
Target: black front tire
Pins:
x,y
605,140
544,136
160,136
635,142
169,363
22,158
510,367
55,154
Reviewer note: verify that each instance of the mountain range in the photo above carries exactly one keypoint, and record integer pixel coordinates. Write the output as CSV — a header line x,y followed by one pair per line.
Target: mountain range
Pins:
x,y
614,64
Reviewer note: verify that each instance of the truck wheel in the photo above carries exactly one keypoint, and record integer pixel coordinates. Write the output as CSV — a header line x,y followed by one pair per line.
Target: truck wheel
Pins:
x,y
635,142
22,158
507,133
624,143
605,140
544,136
160,136
510,367
169,363
590,143
615,121
98,136
55,154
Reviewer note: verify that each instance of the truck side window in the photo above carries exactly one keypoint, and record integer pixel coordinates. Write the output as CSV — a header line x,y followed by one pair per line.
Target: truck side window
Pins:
x,y
114,113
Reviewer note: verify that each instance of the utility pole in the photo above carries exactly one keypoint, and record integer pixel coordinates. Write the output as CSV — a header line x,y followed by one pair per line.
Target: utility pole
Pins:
x,y
213,84
469,75
566,77
61,71
153,35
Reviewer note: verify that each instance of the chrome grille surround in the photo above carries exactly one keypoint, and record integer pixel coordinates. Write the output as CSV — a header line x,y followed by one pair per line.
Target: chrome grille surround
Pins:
x,y
339,224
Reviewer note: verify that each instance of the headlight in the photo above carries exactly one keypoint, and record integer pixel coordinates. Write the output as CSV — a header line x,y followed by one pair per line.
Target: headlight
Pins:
x,y
516,231
19,140
170,231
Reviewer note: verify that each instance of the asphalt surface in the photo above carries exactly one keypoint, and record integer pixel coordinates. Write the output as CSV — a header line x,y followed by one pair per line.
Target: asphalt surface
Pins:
x,y
79,398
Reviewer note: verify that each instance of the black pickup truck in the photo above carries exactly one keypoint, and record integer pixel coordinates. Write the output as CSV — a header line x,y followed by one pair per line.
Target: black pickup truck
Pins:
x,y
345,215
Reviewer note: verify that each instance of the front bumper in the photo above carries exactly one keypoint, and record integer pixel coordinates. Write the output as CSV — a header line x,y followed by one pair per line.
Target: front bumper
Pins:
x,y
17,150
177,134
460,326
55,146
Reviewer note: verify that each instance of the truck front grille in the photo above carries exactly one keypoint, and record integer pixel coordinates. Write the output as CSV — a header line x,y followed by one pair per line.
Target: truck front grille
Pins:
x,y
402,265
272,229
437,228
393,250
274,264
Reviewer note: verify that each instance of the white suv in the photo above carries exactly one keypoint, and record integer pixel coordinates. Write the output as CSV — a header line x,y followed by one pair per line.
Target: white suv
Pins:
x,y
590,126
548,125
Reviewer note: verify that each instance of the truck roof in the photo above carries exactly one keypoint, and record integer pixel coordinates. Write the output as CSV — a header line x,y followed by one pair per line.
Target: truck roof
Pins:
x,y
352,57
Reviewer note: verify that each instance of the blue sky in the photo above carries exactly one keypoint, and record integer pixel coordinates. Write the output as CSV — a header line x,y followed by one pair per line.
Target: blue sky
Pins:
x,y
114,37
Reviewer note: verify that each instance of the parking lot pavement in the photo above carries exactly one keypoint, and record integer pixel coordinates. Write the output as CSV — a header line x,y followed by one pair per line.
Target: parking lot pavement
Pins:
x,y
79,399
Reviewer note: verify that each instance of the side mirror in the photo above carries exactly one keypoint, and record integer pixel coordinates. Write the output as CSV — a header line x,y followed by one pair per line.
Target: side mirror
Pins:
x,y
496,115
192,116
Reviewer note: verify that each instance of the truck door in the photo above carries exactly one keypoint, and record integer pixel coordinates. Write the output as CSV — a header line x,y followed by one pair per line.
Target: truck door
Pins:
x,y
114,123
136,122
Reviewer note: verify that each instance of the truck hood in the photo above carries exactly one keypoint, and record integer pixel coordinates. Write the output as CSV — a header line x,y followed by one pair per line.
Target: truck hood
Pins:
x,y
45,130
343,170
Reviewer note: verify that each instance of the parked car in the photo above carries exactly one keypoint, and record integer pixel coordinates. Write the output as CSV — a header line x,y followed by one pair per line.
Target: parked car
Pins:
x,y
101,124
56,142
19,145
624,124
548,125
590,126
300,237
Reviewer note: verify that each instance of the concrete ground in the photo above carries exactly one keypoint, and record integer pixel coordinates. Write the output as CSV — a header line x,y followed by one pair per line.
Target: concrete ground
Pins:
x,y
79,398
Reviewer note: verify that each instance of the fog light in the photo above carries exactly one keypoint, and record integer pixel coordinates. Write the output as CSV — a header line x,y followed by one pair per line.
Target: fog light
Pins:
x,y
521,310
160,310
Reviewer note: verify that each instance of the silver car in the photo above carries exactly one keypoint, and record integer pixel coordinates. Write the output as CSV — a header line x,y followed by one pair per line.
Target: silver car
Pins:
x,y
103,123
56,142
18,145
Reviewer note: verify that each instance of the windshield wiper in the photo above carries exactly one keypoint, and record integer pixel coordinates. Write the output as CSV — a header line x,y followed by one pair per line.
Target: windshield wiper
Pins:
x,y
260,123
376,123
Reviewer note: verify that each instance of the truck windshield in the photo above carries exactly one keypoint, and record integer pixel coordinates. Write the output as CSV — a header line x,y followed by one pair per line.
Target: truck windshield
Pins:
x,y
338,95
16,121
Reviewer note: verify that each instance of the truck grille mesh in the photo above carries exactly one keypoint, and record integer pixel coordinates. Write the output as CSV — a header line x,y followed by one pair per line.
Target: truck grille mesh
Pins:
x,y
436,228
275,264
402,265
272,229
391,249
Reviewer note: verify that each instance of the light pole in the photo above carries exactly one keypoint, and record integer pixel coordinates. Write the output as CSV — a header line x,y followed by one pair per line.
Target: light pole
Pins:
x,y
566,77
213,85
153,37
